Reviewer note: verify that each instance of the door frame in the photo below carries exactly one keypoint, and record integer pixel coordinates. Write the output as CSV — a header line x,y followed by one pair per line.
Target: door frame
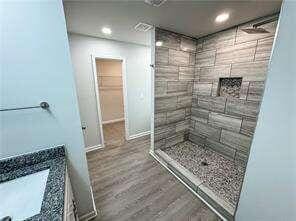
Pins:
x,y
97,93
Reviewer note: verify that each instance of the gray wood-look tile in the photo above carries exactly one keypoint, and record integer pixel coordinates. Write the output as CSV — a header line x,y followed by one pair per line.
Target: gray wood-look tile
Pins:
x,y
263,49
129,185
165,104
178,57
178,86
207,131
251,71
175,116
210,74
188,44
225,121
200,114
244,90
243,52
160,88
236,140
203,89
184,101
248,126
197,138
205,58
241,107
220,148
186,73
169,39
166,72
161,55
159,119
255,92
164,131
219,40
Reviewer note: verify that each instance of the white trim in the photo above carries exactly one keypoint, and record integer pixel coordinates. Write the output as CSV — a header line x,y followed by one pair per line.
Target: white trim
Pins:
x,y
92,148
125,107
188,187
92,214
138,135
88,216
113,121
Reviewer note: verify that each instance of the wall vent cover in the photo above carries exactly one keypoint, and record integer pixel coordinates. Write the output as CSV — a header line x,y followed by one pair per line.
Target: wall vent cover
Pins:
x,y
143,27
155,3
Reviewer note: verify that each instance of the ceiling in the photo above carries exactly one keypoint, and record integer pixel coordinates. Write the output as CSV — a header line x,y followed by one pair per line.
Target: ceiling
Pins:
x,y
192,18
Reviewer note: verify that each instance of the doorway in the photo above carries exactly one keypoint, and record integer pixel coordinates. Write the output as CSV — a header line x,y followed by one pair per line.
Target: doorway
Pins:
x,y
110,90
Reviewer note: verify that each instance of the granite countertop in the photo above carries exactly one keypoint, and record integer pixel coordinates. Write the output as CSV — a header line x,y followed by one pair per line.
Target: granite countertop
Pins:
x,y
52,207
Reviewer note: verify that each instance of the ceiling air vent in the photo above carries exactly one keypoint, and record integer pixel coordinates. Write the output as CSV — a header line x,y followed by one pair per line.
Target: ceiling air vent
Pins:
x,y
143,27
155,3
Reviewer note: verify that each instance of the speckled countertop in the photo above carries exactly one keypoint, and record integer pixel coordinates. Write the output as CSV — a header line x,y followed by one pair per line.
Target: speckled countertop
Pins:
x,y
53,159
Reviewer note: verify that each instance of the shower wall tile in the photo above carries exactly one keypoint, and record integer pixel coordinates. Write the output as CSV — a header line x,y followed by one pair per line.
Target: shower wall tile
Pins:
x,y
164,72
205,58
263,49
165,104
251,71
225,121
169,39
162,55
242,108
159,119
229,53
178,57
248,126
188,44
186,73
243,52
236,140
175,116
200,114
219,40
220,148
203,89
207,131
212,74
174,76
255,91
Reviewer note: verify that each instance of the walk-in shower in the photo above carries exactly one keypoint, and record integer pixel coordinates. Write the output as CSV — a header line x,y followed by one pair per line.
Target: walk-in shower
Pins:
x,y
207,98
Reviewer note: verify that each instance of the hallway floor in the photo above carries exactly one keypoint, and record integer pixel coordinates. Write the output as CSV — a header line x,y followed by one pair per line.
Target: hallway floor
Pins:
x,y
114,133
128,184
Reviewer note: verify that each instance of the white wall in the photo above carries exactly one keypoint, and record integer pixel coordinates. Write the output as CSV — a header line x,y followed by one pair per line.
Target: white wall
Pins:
x,y
138,82
35,67
269,188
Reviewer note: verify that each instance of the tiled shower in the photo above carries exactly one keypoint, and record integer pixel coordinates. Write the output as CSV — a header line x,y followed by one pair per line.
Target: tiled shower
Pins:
x,y
208,92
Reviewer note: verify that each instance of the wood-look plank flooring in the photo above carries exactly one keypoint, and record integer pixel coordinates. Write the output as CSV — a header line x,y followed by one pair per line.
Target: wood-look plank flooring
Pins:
x,y
114,133
128,184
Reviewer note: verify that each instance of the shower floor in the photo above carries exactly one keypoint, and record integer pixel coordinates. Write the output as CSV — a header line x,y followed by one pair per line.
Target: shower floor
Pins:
x,y
220,175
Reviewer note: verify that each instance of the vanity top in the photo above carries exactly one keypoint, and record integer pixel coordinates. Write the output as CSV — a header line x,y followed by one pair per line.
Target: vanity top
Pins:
x,y
51,160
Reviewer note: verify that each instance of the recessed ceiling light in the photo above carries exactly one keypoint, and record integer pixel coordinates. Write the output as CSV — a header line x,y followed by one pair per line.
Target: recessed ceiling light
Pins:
x,y
222,17
158,43
106,31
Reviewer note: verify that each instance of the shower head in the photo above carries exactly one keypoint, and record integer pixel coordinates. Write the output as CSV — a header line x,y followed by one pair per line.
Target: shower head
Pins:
x,y
255,30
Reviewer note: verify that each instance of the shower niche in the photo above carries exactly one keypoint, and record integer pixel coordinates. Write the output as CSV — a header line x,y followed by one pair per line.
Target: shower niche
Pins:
x,y
229,87
207,98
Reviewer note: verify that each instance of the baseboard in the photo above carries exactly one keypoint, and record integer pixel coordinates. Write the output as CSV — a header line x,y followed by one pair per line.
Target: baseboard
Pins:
x,y
113,121
92,148
139,135
88,216
188,187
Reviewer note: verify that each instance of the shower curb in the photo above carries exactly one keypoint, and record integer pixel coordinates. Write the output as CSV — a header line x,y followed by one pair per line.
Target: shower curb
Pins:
x,y
218,205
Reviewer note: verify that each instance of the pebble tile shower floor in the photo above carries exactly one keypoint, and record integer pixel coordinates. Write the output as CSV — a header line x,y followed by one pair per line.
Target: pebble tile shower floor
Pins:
x,y
220,174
